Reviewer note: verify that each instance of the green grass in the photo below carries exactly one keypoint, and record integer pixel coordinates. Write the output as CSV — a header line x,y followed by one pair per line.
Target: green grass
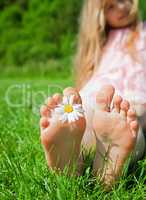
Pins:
x,y
23,170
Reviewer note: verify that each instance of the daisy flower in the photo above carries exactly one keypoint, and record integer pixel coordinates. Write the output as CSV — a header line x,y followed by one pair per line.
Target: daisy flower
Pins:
x,y
68,111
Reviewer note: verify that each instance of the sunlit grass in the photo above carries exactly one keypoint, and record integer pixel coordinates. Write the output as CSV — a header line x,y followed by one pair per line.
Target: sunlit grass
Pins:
x,y
23,170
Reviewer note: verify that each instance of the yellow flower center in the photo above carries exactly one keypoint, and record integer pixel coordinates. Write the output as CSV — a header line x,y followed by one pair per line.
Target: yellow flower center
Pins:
x,y
68,108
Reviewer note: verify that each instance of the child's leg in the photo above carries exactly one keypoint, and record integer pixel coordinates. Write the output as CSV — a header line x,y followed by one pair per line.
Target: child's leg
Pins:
x,y
61,142
116,132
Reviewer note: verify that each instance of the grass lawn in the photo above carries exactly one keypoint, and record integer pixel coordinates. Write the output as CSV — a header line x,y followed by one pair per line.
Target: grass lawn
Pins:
x,y
23,170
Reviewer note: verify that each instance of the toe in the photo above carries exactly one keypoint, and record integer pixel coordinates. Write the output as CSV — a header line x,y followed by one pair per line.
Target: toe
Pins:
x,y
50,102
132,120
72,91
44,123
104,97
131,115
44,111
117,102
134,128
124,108
57,98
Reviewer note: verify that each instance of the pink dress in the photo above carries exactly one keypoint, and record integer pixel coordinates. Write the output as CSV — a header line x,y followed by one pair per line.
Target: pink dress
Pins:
x,y
124,72
118,68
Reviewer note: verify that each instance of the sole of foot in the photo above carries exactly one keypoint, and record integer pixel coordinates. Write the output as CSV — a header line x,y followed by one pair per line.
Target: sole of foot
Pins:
x,y
61,141
116,131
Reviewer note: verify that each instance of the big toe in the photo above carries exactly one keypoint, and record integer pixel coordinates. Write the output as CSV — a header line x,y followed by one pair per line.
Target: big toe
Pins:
x,y
117,102
132,119
104,97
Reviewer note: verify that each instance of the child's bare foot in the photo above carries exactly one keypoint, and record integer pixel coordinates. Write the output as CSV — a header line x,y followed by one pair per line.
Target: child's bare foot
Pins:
x,y
61,141
116,131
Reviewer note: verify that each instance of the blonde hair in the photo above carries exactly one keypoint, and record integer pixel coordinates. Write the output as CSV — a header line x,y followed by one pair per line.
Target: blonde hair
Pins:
x,y
92,37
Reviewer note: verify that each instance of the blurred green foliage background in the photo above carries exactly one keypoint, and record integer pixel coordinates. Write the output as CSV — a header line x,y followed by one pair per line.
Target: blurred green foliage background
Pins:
x,y
35,31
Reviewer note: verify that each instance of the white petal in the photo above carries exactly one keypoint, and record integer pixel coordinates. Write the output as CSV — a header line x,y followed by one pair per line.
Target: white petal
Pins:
x,y
65,100
60,105
70,117
79,114
81,111
59,110
71,120
54,115
78,109
75,115
64,118
76,106
71,99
